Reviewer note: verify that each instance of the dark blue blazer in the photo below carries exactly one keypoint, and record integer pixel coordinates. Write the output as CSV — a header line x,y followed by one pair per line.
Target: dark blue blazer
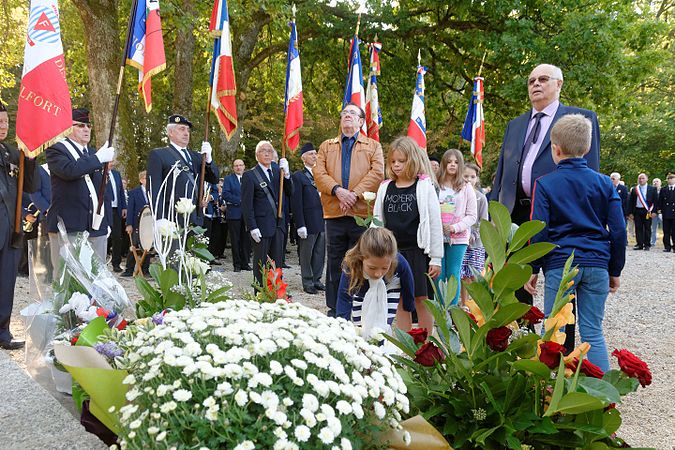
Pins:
x,y
135,206
121,198
306,203
256,208
42,197
70,196
623,195
9,164
232,197
160,161
511,154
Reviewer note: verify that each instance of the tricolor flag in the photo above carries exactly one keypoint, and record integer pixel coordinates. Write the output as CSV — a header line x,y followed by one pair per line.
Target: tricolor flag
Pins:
x,y
417,129
44,113
293,100
474,124
146,50
223,86
373,112
354,92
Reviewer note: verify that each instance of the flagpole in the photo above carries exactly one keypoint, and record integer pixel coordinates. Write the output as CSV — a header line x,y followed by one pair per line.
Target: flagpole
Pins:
x,y
113,119
202,170
480,69
16,237
283,154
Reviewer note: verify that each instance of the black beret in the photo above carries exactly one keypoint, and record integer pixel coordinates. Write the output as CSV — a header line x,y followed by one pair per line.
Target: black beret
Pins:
x,y
179,120
81,115
308,147
434,158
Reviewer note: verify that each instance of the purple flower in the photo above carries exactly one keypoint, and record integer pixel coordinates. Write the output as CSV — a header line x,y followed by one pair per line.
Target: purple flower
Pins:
x,y
158,318
108,349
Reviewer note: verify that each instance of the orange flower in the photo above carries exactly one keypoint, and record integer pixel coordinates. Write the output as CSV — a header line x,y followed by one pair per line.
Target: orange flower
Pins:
x,y
477,313
565,316
275,283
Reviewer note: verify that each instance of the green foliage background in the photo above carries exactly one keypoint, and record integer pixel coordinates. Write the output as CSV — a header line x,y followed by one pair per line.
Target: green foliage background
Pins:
x,y
616,56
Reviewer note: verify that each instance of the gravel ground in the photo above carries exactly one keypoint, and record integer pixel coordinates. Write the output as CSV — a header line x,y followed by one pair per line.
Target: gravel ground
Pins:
x,y
639,317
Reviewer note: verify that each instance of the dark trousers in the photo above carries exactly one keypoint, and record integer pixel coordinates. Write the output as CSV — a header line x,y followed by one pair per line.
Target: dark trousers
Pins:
x,y
116,238
267,247
218,237
643,228
240,243
341,235
668,233
9,266
312,256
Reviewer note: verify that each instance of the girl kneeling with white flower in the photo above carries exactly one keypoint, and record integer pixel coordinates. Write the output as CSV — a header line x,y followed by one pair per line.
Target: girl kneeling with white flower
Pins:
x,y
375,278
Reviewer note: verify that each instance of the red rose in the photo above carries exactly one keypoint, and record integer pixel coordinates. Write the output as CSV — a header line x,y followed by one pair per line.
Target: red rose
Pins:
x,y
428,354
633,366
550,353
587,368
419,335
498,338
533,316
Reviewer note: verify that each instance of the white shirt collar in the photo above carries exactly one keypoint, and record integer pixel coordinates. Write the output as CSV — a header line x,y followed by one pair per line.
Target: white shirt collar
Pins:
x,y
309,169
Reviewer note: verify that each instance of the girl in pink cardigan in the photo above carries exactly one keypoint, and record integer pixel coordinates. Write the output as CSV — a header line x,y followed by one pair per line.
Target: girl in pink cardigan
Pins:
x,y
458,213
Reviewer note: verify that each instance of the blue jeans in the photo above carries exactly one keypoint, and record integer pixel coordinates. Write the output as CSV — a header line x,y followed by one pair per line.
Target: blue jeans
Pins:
x,y
451,265
592,286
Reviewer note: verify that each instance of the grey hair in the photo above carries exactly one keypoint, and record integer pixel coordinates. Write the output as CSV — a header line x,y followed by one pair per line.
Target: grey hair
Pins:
x,y
615,175
170,126
555,71
261,143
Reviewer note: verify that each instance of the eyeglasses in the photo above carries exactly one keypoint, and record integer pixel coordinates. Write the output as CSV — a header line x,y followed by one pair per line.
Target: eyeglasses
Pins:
x,y
82,125
348,112
543,79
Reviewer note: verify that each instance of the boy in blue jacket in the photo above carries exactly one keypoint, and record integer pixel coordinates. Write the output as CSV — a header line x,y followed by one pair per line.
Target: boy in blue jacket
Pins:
x,y
583,214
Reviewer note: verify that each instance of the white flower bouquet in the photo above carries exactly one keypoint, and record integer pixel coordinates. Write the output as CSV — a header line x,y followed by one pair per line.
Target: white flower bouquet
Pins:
x,y
245,375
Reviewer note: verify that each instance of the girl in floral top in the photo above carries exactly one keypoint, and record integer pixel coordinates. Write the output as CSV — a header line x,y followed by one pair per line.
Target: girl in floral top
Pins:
x,y
458,214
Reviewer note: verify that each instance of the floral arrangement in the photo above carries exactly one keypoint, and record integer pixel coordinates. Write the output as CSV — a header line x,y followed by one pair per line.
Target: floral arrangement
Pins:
x,y
487,381
244,375
274,288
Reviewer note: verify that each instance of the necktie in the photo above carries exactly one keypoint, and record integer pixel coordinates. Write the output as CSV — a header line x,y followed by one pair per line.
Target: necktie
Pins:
x,y
269,174
186,155
534,133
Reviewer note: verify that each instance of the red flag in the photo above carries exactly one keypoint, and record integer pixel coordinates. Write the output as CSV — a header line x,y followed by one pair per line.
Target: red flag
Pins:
x,y
44,112
146,52
223,85
293,101
373,112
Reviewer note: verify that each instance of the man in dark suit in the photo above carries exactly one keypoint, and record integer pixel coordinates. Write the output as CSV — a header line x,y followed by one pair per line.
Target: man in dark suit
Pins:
x,y
239,238
642,206
526,150
119,208
76,174
138,199
9,253
622,190
667,210
185,181
259,204
308,216
42,199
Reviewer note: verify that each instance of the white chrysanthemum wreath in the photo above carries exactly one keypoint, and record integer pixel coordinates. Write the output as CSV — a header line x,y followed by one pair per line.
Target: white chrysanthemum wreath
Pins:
x,y
244,375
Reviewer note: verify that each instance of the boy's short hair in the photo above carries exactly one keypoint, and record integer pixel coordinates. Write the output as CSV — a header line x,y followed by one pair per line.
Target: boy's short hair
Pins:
x,y
572,133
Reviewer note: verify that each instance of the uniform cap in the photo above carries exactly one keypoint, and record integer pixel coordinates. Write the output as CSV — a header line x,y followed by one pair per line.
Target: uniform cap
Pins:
x,y
177,119
308,147
81,115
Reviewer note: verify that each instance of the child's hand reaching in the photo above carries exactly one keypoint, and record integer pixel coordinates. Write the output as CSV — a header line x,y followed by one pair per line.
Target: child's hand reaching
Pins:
x,y
434,271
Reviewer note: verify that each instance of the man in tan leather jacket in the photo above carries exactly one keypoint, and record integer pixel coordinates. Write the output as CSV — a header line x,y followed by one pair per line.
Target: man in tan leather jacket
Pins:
x,y
347,166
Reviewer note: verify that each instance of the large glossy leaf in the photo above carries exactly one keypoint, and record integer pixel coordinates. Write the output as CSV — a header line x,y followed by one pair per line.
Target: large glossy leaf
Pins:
x,y
557,390
600,389
481,295
507,314
578,402
611,421
537,368
622,382
510,278
202,253
501,218
461,320
494,245
149,293
531,253
524,233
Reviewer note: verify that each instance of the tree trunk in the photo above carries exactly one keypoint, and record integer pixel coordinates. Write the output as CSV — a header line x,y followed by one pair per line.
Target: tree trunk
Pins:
x,y
185,46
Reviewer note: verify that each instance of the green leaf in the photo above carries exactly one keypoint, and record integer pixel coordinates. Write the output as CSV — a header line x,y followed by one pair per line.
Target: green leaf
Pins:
x,y
537,368
600,389
577,402
611,421
622,382
524,233
544,426
377,222
202,253
90,334
557,390
360,221
481,434
510,278
598,446
507,314
406,340
501,218
481,295
494,245
531,253
462,323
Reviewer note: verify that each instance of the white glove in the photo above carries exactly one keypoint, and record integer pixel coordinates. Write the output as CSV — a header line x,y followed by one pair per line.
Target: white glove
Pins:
x,y
256,235
302,232
283,165
105,154
206,151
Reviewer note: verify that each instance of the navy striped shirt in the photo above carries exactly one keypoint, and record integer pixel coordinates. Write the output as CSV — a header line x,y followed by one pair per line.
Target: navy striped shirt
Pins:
x,y
400,287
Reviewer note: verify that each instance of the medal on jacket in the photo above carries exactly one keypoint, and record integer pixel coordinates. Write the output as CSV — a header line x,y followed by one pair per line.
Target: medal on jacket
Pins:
x,y
13,170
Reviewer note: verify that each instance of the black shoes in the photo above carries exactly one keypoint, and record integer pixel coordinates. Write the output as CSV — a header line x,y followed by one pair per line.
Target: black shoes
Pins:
x,y
127,274
647,248
285,266
637,247
117,269
246,267
320,287
666,250
310,290
12,345
237,269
